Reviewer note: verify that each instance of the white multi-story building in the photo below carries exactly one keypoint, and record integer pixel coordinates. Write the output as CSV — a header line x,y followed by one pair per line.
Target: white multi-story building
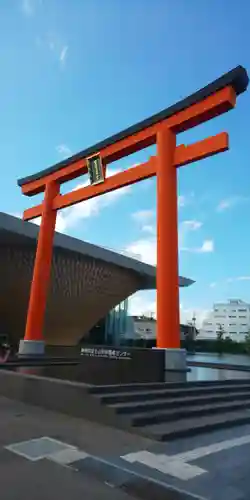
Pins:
x,y
233,316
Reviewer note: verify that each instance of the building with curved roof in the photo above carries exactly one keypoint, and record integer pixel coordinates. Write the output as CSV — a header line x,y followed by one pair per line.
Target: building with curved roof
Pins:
x,y
87,281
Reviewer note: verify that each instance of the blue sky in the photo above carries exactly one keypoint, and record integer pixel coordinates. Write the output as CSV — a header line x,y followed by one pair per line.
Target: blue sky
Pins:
x,y
73,73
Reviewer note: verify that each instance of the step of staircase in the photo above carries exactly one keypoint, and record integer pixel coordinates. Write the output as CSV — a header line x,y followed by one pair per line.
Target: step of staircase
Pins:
x,y
167,411
160,416
169,391
195,426
107,389
165,403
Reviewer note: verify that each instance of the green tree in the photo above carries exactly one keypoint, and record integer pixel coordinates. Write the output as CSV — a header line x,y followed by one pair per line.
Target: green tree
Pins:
x,y
220,339
247,342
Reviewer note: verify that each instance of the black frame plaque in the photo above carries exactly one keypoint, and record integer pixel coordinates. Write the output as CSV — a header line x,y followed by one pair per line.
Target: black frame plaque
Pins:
x,y
95,170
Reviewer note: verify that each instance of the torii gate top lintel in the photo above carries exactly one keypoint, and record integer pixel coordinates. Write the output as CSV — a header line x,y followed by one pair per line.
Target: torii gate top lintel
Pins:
x,y
236,79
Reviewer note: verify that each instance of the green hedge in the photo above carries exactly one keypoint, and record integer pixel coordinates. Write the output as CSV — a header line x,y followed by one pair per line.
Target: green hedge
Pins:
x,y
213,346
225,346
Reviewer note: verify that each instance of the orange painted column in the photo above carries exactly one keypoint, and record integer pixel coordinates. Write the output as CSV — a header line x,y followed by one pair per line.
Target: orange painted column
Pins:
x,y
168,317
42,268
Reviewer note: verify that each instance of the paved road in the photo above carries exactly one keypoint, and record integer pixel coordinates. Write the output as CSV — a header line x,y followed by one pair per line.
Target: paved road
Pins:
x,y
64,457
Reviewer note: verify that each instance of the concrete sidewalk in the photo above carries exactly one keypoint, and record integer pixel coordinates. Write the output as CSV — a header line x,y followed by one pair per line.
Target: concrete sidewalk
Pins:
x,y
19,422
21,478
102,462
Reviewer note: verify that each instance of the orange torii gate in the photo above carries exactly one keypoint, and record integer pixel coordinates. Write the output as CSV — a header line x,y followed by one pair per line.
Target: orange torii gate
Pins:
x,y
162,128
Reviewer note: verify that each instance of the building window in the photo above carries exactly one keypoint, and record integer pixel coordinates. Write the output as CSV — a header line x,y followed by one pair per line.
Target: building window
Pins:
x,y
232,333
243,324
242,310
232,316
232,324
242,317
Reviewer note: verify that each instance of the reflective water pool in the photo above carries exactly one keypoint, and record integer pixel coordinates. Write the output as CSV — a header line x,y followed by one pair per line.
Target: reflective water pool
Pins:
x,y
205,373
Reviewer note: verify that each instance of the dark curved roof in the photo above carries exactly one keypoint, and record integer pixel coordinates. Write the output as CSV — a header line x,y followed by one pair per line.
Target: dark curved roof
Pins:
x,y
236,78
14,229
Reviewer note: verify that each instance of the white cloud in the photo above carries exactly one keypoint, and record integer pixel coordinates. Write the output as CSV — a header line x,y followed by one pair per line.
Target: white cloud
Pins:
x,y
63,54
29,6
186,315
184,200
147,228
228,203
144,218
192,225
143,215
64,150
238,278
207,247
90,208
181,201
213,285
140,304
60,223
185,227
145,249
70,217
223,205
56,45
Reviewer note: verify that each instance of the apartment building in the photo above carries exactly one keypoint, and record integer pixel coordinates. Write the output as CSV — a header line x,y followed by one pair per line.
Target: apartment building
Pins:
x,y
233,316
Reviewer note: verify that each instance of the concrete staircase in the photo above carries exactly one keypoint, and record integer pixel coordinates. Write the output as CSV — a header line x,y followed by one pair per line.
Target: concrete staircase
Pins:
x,y
170,411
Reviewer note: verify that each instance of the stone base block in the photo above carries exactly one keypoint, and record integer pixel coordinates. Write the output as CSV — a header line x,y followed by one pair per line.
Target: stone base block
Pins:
x,y
31,348
175,359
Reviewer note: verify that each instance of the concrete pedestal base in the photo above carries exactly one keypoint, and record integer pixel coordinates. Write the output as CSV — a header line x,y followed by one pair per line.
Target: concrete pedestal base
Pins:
x,y
31,348
175,365
175,359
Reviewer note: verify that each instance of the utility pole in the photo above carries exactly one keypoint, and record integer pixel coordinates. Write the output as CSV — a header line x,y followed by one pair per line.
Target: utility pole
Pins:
x,y
194,325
